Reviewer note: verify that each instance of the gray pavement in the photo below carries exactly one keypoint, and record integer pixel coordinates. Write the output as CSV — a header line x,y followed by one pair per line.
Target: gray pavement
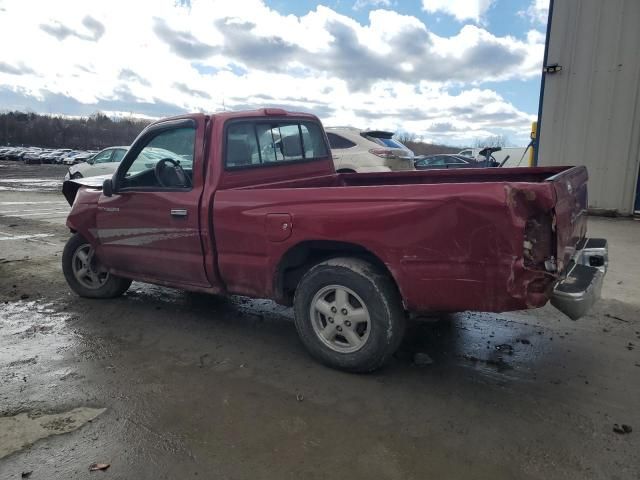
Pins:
x,y
166,384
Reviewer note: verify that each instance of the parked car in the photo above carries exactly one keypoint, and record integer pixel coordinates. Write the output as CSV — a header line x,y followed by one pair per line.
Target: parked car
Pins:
x,y
102,163
70,158
355,150
32,155
15,153
353,254
54,155
427,162
83,157
4,151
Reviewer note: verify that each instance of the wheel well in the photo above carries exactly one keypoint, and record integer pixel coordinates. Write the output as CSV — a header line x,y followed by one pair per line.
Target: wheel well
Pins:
x,y
300,258
346,170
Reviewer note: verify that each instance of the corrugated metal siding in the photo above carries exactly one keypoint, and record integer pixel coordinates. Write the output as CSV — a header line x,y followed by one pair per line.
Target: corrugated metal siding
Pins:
x,y
591,109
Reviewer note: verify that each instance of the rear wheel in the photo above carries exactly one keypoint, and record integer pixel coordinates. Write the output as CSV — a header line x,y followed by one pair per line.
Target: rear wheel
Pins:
x,y
86,275
349,314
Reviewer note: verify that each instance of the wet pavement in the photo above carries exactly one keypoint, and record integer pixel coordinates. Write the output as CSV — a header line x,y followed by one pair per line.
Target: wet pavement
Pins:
x,y
211,387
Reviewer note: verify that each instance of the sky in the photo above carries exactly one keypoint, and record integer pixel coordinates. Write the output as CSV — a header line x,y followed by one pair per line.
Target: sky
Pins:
x,y
448,71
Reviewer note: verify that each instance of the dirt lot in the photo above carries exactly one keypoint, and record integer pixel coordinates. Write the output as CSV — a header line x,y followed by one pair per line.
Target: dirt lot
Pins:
x,y
165,384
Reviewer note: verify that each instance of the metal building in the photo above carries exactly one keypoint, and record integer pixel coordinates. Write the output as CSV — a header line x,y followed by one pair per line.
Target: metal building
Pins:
x,y
590,97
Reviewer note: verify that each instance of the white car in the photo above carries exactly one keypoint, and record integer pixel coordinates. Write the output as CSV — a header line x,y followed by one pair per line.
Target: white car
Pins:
x,y
104,162
362,151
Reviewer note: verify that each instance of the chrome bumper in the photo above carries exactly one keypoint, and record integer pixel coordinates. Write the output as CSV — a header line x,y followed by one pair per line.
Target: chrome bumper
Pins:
x,y
576,293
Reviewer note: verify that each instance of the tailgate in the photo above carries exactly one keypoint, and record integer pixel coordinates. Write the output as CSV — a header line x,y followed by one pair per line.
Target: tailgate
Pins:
x,y
570,188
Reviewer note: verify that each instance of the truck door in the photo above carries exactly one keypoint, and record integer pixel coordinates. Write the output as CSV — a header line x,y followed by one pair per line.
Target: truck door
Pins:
x,y
149,227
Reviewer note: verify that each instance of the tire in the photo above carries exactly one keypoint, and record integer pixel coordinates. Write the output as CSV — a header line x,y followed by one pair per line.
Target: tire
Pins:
x,y
97,283
369,293
346,170
76,176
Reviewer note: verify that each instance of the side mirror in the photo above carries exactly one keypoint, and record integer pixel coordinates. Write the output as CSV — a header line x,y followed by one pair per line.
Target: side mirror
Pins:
x,y
107,187
90,161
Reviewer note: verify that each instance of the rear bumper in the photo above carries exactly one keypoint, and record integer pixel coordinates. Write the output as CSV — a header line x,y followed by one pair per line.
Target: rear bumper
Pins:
x,y
576,293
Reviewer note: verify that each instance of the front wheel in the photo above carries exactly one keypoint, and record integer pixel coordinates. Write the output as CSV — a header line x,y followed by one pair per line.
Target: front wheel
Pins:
x,y
86,275
349,315
76,176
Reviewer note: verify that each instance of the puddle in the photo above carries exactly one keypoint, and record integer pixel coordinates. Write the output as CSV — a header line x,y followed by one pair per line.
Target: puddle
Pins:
x,y
29,331
21,431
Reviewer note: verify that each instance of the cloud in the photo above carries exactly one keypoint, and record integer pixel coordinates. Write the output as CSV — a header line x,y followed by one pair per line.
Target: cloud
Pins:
x,y
21,69
473,55
61,31
131,76
538,11
191,91
94,26
360,4
389,71
461,10
120,101
442,127
181,43
269,53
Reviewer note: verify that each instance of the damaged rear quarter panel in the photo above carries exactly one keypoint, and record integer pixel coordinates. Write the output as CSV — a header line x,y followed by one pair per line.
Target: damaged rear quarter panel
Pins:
x,y
450,247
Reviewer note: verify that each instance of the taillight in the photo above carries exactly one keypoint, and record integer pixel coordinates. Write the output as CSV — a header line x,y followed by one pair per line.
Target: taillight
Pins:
x,y
382,152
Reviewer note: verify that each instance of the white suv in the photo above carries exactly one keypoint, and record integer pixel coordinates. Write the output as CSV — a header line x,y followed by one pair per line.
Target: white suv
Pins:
x,y
362,151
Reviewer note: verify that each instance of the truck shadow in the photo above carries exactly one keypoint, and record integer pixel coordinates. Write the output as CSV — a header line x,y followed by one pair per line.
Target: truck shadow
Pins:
x,y
492,345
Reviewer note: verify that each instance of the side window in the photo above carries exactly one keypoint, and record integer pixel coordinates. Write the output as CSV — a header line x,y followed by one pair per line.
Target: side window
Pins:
x,y
166,161
437,160
253,144
337,142
118,155
102,157
242,146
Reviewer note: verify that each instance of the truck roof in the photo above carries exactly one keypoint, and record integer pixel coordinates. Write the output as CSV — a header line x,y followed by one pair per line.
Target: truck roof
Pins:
x,y
261,112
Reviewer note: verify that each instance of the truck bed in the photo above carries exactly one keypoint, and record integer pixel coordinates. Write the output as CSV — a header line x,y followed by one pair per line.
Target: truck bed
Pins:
x,y
453,240
475,175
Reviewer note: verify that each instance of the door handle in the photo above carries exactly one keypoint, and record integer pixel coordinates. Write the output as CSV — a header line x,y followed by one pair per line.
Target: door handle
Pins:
x,y
178,212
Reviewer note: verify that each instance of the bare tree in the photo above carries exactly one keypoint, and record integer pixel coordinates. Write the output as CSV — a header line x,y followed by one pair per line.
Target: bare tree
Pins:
x,y
96,131
492,141
406,137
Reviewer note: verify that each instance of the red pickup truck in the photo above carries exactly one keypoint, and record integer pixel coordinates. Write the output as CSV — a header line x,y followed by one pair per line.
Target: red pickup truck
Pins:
x,y
249,203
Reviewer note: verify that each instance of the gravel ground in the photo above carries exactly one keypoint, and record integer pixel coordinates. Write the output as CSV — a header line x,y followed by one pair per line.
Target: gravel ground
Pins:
x,y
165,384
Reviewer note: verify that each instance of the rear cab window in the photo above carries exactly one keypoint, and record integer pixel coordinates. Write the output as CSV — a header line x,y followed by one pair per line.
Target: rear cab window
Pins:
x,y
257,143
